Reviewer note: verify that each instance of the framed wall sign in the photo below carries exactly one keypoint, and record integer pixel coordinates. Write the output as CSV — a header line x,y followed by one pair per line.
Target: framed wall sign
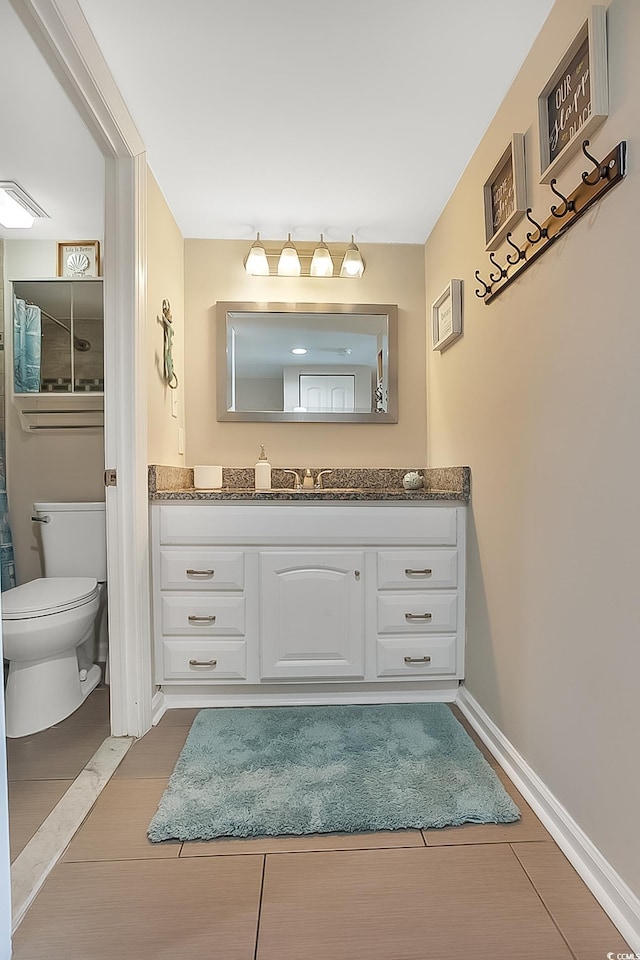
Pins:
x,y
80,258
446,316
575,101
505,193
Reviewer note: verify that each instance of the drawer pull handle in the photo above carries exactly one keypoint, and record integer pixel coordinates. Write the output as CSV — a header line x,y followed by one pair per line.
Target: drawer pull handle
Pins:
x,y
203,663
200,573
417,659
418,573
208,619
417,616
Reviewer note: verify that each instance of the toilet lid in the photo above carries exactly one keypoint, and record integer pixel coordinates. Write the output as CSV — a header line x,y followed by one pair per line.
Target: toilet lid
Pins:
x,y
47,595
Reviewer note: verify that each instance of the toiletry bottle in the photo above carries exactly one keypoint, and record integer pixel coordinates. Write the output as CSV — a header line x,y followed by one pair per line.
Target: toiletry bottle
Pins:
x,y
263,472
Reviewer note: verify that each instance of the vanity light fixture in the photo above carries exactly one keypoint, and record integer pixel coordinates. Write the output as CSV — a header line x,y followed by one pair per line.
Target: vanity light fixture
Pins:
x,y
353,264
321,262
256,262
317,261
289,262
17,208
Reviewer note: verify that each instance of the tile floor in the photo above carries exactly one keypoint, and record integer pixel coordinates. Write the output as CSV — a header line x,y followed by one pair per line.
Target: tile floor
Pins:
x,y
481,891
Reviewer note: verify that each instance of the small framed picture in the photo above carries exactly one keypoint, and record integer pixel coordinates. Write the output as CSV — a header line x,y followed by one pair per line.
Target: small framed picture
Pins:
x,y
505,193
575,101
446,316
79,258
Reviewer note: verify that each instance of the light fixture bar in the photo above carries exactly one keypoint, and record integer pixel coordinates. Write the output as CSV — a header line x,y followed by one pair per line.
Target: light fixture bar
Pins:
x,y
315,260
17,208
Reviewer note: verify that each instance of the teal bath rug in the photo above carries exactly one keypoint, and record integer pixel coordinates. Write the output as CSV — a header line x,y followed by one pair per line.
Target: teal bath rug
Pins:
x,y
271,771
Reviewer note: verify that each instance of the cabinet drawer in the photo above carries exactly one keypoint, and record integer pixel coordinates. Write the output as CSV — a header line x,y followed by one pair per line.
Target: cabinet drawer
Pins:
x,y
198,569
205,659
415,657
203,615
320,524
417,613
417,569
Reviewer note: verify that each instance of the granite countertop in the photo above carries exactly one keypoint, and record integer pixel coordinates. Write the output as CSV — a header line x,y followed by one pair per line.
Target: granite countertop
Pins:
x,y
440,483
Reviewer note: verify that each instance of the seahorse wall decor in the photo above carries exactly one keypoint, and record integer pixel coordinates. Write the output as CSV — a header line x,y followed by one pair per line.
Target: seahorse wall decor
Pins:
x,y
167,326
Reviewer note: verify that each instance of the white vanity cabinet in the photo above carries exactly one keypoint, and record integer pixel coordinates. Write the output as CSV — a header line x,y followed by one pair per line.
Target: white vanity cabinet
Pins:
x,y
356,595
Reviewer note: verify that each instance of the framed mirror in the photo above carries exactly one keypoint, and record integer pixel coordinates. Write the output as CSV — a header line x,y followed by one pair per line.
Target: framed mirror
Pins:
x,y
307,362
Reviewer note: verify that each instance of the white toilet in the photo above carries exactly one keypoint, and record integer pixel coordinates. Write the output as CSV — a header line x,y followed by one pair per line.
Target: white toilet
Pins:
x,y
49,625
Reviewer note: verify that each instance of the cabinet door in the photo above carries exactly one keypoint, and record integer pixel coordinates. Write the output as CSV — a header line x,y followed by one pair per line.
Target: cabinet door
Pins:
x,y
312,614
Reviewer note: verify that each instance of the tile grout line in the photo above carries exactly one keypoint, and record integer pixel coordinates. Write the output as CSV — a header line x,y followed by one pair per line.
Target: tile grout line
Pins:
x,y
542,901
35,862
264,870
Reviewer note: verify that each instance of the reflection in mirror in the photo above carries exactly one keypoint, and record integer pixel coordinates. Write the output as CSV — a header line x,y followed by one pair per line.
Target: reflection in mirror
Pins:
x,y
58,336
307,362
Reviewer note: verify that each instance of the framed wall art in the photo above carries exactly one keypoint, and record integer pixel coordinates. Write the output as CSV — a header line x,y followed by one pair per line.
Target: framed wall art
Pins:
x,y
575,101
79,258
505,193
446,316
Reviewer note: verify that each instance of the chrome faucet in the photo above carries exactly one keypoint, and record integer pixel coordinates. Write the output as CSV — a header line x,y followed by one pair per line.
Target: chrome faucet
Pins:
x,y
319,478
298,483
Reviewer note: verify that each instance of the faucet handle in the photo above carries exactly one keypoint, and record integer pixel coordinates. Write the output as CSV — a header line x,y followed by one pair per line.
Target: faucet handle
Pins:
x,y
298,485
319,478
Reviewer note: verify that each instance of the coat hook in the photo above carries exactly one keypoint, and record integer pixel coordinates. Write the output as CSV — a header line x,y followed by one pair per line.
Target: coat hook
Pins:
x,y
568,204
501,271
487,289
602,169
541,230
521,254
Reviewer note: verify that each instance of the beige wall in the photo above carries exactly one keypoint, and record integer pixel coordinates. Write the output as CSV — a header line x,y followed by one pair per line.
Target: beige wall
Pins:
x,y
541,397
394,274
165,281
66,465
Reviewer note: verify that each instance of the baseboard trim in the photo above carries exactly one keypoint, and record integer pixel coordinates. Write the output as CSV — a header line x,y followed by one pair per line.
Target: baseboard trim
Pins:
x,y
158,707
609,889
279,695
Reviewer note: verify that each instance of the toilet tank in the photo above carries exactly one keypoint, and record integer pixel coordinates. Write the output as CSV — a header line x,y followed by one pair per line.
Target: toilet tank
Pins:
x,y
74,542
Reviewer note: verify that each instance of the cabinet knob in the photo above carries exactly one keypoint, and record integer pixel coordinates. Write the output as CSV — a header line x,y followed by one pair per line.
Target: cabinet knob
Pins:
x,y
417,616
417,659
200,573
203,663
418,573
208,619
356,574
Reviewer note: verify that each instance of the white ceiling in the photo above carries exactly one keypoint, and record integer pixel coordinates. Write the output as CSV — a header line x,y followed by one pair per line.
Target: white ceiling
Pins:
x,y
346,116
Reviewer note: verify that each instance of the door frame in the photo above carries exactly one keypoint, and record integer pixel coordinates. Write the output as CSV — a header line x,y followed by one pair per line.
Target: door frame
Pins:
x,y
62,34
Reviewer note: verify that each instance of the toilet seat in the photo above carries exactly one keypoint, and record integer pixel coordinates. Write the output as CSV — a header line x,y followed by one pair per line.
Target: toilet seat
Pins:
x,y
48,595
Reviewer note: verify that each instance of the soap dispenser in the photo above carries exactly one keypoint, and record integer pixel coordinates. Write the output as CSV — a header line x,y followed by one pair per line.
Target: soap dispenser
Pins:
x,y
263,472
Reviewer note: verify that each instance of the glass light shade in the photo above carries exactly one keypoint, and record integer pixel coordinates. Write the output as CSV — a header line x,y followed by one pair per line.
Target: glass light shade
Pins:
x,y
256,263
321,262
353,264
289,262
12,213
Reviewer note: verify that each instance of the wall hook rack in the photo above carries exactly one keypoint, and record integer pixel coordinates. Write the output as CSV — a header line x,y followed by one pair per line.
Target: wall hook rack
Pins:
x,y
610,171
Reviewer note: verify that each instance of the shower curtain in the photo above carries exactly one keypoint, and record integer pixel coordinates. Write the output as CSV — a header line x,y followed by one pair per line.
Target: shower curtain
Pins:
x,y
7,565
26,346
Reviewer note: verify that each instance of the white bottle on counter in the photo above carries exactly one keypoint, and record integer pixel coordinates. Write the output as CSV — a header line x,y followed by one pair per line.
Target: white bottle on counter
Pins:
x,y
263,472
